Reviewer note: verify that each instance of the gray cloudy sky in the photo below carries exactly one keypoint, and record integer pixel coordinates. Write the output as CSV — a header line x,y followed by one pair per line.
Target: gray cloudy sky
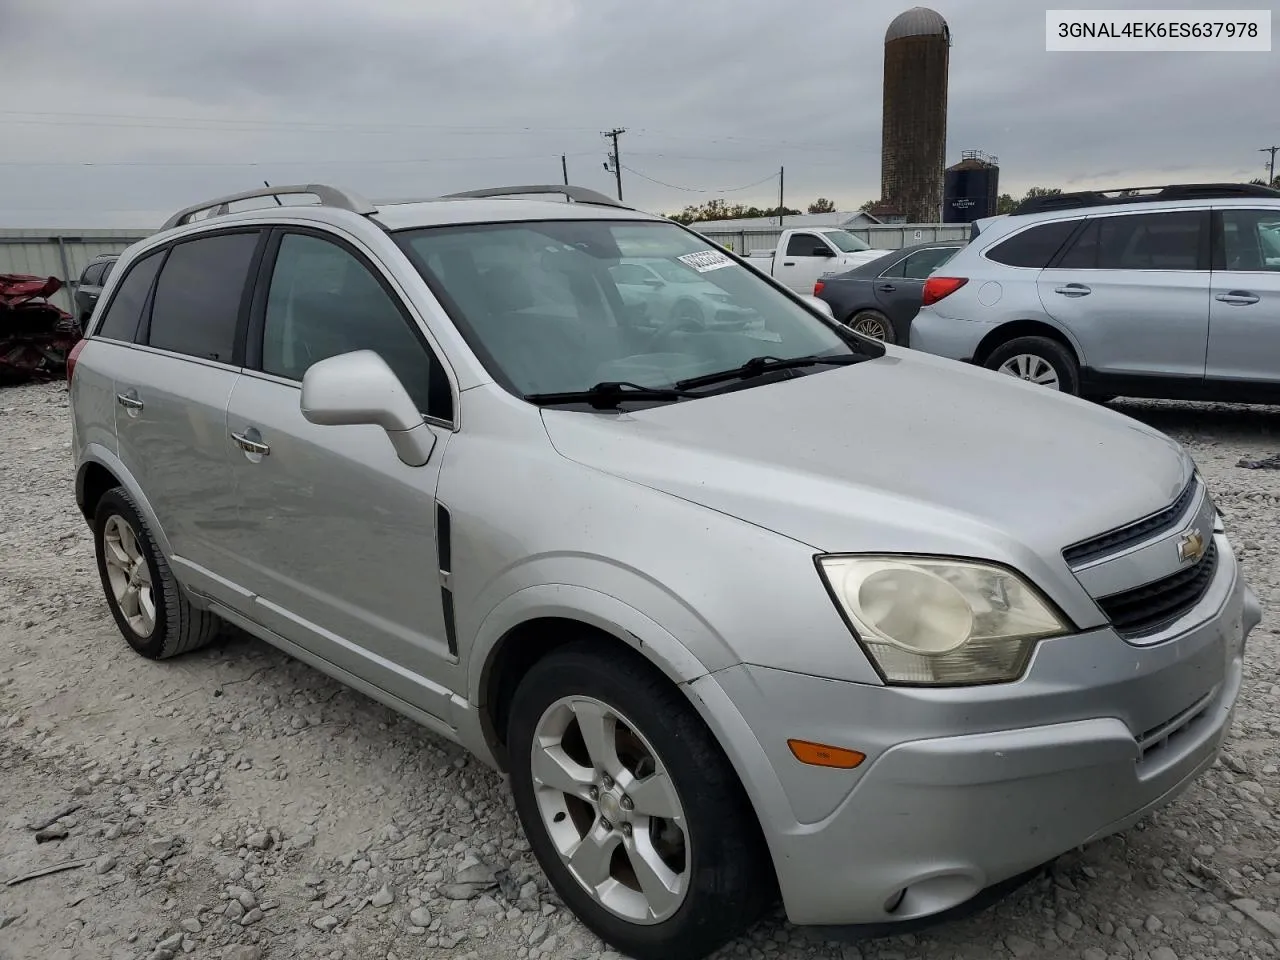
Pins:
x,y
116,112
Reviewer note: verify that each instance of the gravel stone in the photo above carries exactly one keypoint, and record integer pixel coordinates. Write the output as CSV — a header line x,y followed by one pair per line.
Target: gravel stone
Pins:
x,y
205,750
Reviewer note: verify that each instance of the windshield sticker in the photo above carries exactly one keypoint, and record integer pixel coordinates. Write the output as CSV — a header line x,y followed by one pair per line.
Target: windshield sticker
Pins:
x,y
705,260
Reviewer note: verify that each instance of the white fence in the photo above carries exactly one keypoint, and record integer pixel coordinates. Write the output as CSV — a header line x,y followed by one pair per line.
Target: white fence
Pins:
x,y
888,236
61,254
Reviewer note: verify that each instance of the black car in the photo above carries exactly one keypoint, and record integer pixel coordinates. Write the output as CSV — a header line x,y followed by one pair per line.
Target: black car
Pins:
x,y
881,297
89,286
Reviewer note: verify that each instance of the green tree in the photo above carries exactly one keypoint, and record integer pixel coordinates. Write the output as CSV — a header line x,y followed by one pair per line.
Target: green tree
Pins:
x,y
1005,203
822,205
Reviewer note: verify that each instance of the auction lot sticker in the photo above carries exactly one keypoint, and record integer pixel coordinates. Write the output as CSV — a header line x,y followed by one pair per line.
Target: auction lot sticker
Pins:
x,y
705,260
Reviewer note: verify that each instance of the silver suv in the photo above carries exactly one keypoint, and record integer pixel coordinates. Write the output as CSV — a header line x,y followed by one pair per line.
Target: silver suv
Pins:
x,y
1170,292
731,637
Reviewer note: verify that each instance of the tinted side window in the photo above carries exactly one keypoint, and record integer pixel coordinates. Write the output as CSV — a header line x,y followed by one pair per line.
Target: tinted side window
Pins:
x,y
323,302
896,270
806,245
920,264
197,301
1034,247
125,309
1150,241
92,275
1250,240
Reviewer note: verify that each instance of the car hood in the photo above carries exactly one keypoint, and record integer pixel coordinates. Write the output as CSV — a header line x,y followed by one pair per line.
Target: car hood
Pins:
x,y
904,453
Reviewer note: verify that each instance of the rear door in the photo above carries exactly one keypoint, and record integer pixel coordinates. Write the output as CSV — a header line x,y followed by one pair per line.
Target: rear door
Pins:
x,y
88,289
336,538
171,422
1244,312
899,287
806,257
1133,291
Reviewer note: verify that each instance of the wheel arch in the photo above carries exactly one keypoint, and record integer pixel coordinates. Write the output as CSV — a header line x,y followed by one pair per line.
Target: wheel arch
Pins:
x,y
532,622
1025,328
100,470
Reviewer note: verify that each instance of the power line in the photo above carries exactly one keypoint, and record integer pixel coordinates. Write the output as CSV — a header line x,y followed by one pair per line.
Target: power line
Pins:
x,y
354,161
673,186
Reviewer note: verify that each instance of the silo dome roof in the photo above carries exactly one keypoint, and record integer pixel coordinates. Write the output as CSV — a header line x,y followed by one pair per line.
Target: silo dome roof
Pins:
x,y
917,22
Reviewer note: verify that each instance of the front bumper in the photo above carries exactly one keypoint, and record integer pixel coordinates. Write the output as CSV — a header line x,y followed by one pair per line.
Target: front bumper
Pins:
x,y
964,788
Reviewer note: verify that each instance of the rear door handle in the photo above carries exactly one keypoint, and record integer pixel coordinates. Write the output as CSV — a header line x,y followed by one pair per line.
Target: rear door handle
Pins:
x,y
887,288
129,399
1073,290
250,446
1238,298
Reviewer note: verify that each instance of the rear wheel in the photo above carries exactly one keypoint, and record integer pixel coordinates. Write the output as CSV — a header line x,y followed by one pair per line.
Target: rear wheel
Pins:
x,y
1037,360
148,605
631,808
872,323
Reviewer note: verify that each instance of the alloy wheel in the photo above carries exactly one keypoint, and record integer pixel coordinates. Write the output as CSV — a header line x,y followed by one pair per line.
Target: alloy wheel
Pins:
x,y
611,809
129,575
1035,369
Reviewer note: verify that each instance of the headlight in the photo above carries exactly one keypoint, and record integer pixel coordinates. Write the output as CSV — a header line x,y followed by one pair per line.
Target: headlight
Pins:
x,y
938,621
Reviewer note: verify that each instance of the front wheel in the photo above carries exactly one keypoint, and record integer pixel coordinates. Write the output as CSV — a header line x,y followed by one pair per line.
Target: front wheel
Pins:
x,y
631,808
1037,360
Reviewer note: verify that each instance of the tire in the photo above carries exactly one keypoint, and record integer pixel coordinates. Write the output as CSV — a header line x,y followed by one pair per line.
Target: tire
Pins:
x,y
175,626
1043,358
867,321
722,876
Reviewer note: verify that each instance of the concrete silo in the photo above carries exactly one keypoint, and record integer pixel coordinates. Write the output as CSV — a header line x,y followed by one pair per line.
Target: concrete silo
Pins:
x,y
913,144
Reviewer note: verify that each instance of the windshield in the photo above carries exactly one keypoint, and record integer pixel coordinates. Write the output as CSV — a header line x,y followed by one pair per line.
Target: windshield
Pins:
x,y
562,305
845,241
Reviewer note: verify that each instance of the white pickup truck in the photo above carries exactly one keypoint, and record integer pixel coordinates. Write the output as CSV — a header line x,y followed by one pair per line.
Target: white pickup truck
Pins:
x,y
804,255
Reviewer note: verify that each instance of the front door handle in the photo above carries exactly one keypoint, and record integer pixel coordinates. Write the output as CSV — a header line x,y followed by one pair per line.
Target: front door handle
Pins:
x,y
1238,298
129,400
250,446
1073,290
788,263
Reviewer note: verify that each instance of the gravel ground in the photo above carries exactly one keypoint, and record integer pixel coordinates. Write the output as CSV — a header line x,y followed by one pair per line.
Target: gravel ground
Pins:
x,y
236,804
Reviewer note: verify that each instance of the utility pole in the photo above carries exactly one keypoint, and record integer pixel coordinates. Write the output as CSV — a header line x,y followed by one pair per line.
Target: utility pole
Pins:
x,y
781,205
1271,167
564,168
614,159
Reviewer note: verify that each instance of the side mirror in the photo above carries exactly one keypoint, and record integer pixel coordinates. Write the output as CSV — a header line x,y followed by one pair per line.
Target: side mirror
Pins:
x,y
820,305
358,388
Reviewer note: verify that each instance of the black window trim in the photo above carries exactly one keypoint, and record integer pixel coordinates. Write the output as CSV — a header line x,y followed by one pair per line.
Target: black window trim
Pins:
x,y
146,254
1203,254
142,338
255,317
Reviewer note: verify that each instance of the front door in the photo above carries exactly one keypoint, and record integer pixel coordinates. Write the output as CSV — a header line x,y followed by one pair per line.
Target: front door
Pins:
x,y
1244,312
337,543
806,258
1133,291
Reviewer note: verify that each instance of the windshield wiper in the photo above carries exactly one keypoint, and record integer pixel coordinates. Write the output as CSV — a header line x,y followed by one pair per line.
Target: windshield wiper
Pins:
x,y
607,395
757,366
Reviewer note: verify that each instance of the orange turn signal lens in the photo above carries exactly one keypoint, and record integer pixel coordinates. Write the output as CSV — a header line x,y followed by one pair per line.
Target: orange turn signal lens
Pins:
x,y
821,755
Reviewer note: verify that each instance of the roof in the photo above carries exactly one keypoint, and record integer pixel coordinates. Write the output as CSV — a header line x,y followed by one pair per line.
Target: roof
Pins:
x,y
830,221
917,22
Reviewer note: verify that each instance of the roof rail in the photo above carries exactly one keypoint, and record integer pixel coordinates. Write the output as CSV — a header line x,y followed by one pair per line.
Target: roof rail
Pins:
x,y
328,197
1174,191
576,194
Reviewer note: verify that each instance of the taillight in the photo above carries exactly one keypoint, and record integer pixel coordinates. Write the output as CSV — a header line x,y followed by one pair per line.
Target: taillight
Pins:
x,y
818,287
72,357
935,288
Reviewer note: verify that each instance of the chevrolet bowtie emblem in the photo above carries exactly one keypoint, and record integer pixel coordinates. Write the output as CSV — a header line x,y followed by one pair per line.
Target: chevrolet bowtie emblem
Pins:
x,y
1191,546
